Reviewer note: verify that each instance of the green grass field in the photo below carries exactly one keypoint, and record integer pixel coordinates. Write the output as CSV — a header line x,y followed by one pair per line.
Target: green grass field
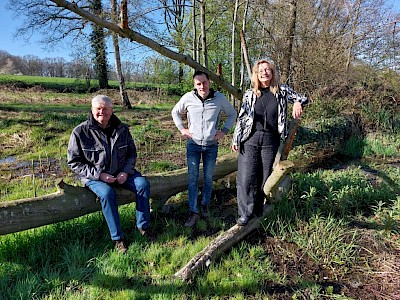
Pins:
x,y
78,85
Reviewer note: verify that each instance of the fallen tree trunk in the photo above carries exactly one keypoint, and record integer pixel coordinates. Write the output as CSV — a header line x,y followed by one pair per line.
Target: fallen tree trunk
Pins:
x,y
71,201
217,246
235,234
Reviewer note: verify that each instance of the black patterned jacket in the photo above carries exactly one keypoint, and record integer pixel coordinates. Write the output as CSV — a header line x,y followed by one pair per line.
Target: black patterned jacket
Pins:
x,y
245,119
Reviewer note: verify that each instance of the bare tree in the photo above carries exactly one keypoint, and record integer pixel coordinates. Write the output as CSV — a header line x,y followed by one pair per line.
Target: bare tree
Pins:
x,y
353,34
174,18
121,79
233,46
288,49
58,26
243,50
203,32
194,32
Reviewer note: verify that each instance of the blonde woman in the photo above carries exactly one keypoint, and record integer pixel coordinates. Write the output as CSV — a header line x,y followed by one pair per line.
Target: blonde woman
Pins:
x,y
261,125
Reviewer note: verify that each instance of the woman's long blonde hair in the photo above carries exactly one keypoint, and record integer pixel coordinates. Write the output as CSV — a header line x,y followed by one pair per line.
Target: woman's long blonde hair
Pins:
x,y
273,85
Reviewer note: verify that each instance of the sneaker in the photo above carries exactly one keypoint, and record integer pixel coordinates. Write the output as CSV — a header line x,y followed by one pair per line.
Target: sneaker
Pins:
x,y
121,246
204,211
192,219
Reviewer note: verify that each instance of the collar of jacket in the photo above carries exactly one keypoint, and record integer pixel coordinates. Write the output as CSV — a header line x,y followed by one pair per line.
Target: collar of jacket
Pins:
x,y
114,122
210,94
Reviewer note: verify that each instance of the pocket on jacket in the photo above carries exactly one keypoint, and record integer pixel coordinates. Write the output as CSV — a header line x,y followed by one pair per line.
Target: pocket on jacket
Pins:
x,y
93,155
122,152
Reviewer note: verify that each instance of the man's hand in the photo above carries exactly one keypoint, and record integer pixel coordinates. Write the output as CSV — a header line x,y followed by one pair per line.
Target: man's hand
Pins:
x,y
107,178
219,135
185,133
122,177
235,148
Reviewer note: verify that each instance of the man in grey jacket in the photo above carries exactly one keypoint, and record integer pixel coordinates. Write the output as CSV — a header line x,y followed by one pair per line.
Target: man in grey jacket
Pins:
x,y
101,151
204,107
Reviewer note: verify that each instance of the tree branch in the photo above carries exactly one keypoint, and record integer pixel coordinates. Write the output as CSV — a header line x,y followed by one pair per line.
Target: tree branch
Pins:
x,y
141,39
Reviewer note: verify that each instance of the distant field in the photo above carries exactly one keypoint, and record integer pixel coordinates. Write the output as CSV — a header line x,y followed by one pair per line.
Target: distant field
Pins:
x,y
79,85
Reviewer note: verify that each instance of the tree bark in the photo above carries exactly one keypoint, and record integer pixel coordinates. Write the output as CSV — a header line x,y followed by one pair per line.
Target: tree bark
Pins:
x,y
245,54
141,39
217,246
273,190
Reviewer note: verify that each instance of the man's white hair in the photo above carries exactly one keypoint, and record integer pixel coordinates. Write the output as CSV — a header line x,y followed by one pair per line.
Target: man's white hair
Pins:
x,y
102,99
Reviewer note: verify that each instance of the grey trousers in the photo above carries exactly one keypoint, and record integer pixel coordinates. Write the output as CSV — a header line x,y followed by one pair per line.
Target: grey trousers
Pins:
x,y
255,161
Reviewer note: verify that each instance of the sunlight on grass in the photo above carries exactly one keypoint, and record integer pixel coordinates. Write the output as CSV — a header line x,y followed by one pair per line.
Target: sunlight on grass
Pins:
x,y
327,241
316,230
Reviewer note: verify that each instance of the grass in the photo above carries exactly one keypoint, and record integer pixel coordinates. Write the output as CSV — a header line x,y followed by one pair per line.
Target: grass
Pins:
x,y
68,85
75,260
334,227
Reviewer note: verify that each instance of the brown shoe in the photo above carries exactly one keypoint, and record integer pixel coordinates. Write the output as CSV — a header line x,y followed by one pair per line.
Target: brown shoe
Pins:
x,y
121,246
192,219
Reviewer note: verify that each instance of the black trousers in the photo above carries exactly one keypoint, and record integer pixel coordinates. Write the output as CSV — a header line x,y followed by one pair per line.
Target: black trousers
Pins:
x,y
255,162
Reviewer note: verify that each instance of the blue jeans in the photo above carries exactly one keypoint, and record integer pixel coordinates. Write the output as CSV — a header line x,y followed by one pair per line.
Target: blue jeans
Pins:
x,y
108,199
194,153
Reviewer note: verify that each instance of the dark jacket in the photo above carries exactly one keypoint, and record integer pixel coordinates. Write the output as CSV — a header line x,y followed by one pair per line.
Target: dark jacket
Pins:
x,y
91,152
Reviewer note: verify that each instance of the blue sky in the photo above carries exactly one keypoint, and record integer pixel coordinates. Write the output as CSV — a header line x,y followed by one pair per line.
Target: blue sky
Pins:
x,y
19,47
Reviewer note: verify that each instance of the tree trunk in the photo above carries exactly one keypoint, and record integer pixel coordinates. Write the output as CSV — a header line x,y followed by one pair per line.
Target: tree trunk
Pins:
x,y
203,32
217,246
243,50
99,47
233,50
194,33
122,89
287,55
71,202
236,233
245,54
353,36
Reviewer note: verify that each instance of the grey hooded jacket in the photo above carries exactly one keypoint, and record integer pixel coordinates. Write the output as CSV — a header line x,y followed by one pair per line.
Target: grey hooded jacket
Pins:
x,y
91,153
